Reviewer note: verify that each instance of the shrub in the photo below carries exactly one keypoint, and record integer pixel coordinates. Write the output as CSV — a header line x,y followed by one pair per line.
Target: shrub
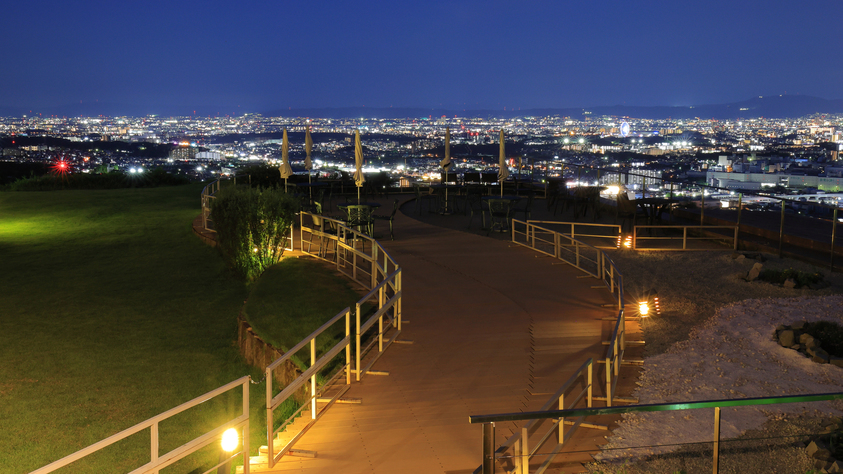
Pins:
x,y
253,225
112,180
801,278
830,335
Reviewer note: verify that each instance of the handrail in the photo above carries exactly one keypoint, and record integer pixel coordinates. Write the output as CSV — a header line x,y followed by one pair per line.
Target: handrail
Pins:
x,y
684,238
158,461
355,252
604,269
488,421
519,441
574,234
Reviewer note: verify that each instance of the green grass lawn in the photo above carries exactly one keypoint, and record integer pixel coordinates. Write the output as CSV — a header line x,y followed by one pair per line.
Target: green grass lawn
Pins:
x,y
111,311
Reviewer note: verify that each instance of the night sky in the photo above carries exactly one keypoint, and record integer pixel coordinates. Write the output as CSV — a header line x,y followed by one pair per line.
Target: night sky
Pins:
x,y
273,55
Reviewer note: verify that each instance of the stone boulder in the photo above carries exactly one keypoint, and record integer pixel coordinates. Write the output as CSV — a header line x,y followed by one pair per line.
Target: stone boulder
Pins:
x,y
754,272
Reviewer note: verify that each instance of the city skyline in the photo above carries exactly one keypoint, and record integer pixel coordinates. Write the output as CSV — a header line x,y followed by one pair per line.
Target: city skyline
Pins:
x,y
157,57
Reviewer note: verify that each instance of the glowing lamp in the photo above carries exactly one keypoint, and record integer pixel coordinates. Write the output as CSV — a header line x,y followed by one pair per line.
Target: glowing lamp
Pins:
x,y
643,309
230,440
649,304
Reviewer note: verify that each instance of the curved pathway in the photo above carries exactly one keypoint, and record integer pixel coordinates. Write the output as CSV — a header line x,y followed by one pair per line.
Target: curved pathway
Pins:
x,y
496,329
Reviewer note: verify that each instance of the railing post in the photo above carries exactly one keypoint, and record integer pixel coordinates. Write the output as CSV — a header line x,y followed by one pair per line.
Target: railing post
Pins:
x,y
684,238
573,236
398,286
577,248
357,333
347,348
738,226
313,379
246,462
374,265
380,320
488,444
833,229
781,231
269,421
590,378
702,207
716,460
154,444
608,381
561,433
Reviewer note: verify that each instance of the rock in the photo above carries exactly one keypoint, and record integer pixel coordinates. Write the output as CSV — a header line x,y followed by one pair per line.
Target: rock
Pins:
x,y
838,361
789,283
740,258
781,327
799,325
806,339
787,338
754,272
797,347
813,343
836,466
814,446
820,356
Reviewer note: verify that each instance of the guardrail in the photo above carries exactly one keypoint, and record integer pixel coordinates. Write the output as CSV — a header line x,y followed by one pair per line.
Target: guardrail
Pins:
x,y
593,262
696,229
614,229
160,461
364,260
487,420
520,441
310,375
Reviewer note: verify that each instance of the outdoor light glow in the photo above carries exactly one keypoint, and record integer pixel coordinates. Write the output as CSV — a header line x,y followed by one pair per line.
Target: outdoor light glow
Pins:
x,y
230,440
643,309
613,190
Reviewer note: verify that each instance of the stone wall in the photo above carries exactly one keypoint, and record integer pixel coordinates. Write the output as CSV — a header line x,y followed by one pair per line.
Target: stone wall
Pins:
x,y
259,353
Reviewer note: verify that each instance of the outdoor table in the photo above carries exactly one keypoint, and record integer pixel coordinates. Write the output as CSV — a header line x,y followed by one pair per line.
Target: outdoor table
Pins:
x,y
361,224
447,203
654,207
501,219
588,197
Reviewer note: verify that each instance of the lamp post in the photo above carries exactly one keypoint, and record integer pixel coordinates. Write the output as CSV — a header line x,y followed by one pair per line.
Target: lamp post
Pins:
x,y
229,442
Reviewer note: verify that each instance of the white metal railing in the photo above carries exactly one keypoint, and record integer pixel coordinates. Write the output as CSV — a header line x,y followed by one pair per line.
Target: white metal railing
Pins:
x,y
308,376
614,230
364,260
159,461
593,262
519,443
696,229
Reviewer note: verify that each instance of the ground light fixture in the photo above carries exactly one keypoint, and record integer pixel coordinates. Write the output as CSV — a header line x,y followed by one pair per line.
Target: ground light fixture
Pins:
x,y
230,440
648,304
625,242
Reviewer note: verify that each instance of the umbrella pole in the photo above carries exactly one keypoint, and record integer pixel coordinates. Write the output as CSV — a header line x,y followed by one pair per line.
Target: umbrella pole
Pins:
x,y
358,194
447,211
285,185
309,188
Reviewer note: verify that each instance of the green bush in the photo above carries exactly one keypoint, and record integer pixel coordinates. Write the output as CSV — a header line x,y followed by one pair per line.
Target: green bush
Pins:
x,y
830,334
801,278
253,225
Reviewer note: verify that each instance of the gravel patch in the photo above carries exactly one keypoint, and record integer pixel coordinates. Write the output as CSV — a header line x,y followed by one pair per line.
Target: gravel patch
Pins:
x,y
714,341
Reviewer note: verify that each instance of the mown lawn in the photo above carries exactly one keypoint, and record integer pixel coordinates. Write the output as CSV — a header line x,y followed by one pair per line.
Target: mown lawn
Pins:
x,y
111,311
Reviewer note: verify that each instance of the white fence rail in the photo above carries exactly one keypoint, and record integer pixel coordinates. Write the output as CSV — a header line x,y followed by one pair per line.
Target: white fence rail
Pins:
x,y
159,461
593,262
689,235
365,261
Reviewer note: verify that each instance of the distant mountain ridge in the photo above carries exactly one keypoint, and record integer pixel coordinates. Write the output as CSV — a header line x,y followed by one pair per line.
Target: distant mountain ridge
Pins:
x,y
779,106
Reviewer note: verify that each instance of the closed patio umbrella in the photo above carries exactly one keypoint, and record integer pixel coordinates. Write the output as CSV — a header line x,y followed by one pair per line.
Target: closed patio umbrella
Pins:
x,y
308,164
285,169
359,178
446,164
503,172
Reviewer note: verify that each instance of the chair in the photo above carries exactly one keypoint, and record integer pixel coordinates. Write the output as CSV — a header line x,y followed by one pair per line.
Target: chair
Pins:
x,y
360,218
499,210
389,218
322,229
627,210
474,204
527,207
420,196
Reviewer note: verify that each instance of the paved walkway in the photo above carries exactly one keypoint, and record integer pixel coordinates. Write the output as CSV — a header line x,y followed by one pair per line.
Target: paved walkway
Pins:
x,y
496,329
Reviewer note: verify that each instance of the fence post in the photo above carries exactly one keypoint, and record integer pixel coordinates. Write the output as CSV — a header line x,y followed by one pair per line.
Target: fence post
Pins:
x,y
702,207
347,348
153,432
313,379
357,364
590,377
716,460
488,443
269,421
781,231
684,238
561,434
833,229
608,381
525,451
246,460
380,319
738,230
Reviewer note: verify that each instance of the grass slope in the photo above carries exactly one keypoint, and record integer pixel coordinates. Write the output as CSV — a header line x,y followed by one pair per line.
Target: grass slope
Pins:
x,y
111,311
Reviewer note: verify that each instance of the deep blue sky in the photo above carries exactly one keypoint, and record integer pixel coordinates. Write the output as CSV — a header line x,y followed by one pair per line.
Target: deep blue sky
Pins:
x,y
452,54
